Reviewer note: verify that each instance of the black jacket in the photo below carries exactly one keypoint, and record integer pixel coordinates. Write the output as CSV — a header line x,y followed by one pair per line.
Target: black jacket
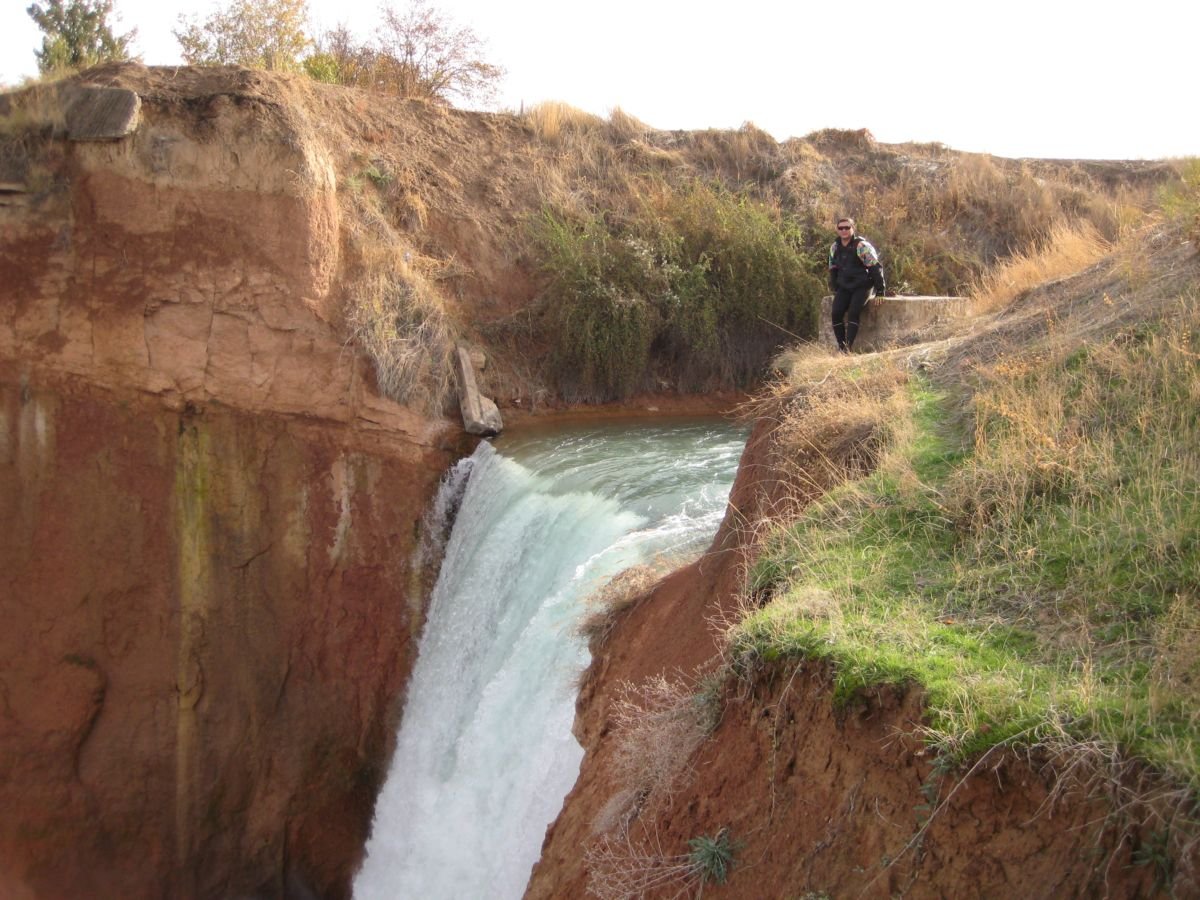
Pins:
x,y
854,265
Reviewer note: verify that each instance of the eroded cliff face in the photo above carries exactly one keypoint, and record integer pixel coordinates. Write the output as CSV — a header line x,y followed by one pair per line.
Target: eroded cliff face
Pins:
x,y
209,516
820,801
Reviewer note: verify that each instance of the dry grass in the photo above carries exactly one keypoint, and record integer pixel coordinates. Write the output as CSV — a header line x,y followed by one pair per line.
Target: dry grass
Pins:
x,y
839,429
398,319
1070,249
29,121
624,127
836,418
658,725
743,155
620,867
394,311
1158,818
622,592
552,121
35,108
1181,199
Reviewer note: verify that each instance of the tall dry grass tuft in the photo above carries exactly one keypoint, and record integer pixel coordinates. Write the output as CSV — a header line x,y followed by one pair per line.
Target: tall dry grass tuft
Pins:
x,y
624,127
397,317
622,592
581,165
552,120
1069,249
660,723
839,428
621,867
1180,199
29,120
746,154
1007,201
394,311
35,108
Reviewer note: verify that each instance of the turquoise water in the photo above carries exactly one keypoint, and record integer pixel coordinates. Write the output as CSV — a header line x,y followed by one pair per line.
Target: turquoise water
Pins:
x,y
485,754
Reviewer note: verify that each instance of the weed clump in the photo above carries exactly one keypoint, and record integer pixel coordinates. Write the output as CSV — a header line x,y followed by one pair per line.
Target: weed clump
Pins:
x,y
712,857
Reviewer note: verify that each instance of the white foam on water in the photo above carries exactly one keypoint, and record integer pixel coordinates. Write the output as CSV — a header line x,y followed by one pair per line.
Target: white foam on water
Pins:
x,y
485,755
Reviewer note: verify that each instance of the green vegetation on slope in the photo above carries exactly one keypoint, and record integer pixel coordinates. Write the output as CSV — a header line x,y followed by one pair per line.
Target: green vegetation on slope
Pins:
x,y
698,288
684,259
1033,565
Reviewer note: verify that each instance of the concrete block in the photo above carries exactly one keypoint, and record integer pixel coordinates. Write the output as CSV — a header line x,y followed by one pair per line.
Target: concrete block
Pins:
x,y
897,320
480,414
100,113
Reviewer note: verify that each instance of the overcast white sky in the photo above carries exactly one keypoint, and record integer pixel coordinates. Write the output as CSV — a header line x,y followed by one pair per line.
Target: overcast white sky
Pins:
x,y
1105,79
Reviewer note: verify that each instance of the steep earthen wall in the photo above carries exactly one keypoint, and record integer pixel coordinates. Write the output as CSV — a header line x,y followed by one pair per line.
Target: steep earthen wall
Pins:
x,y
821,801
208,520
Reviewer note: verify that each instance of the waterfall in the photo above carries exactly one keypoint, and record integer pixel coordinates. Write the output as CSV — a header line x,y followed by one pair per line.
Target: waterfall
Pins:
x,y
485,754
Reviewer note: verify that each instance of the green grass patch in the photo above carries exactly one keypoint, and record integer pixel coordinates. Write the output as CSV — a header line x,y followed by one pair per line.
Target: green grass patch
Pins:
x,y
1036,569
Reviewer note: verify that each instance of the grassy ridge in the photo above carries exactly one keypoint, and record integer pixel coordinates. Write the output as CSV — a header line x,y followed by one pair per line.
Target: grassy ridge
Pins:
x,y
1033,564
704,244
673,260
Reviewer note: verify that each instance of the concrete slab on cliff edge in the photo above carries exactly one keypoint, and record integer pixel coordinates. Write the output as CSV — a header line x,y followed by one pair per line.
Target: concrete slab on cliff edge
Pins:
x,y
480,414
100,113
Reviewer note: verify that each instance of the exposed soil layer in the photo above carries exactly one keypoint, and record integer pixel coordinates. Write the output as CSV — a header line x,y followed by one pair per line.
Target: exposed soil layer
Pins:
x,y
208,620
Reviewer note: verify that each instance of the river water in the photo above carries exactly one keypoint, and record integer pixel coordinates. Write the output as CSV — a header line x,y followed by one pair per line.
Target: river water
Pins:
x,y
485,755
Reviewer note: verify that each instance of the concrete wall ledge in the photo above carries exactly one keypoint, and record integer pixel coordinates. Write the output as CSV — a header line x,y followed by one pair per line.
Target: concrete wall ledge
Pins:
x,y
898,320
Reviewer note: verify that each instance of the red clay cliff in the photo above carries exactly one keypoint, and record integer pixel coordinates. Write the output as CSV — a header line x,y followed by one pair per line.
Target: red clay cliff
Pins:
x,y
209,515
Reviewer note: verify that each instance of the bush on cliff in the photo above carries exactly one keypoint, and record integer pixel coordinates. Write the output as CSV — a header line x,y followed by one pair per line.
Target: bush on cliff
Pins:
x,y
697,288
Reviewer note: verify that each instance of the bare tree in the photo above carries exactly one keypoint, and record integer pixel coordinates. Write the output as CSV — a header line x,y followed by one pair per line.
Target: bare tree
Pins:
x,y
418,52
261,34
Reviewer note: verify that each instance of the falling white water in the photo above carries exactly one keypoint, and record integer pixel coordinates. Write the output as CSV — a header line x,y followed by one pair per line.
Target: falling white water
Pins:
x,y
485,754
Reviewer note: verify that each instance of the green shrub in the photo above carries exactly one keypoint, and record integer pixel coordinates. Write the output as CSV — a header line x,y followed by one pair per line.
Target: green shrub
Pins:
x,y
322,67
761,288
698,288
711,858
597,312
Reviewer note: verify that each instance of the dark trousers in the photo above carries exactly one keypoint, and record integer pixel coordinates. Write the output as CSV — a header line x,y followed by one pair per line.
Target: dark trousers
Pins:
x,y
848,304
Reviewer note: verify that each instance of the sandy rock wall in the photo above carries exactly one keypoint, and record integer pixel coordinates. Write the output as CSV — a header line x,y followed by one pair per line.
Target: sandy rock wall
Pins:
x,y
209,518
194,259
